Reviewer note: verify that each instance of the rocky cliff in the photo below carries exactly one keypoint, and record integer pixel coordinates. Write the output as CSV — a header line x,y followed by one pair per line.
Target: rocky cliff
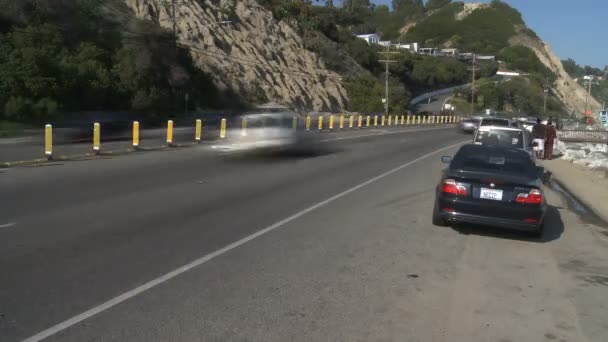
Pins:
x,y
572,94
567,90
253,54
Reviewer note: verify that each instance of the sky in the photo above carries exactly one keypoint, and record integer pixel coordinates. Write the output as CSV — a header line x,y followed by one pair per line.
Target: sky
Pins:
x,y
576,29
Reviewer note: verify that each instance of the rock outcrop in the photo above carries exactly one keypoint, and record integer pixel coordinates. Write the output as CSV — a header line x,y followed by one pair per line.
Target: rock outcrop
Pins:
x,y
254,55
572,94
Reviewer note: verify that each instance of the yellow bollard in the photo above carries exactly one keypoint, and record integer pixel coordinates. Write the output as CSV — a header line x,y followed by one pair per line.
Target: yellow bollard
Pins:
x,y
170,132
198,130
135,134
424,120
244,127
342,121
223,128
367,120
308,122
383,119
390,120
351,121
320,123
96,137
48,141
419,119
407,121
331,122
294,123
375,120
402,120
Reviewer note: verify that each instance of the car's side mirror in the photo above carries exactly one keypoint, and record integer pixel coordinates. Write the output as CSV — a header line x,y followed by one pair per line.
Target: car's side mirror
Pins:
x,y
446,159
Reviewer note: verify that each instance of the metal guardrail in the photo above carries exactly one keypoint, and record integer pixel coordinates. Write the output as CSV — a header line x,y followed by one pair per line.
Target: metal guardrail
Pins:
x,y
583,136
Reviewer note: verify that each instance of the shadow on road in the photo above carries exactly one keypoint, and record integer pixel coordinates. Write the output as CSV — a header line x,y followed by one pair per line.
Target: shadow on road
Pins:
x,y
554,227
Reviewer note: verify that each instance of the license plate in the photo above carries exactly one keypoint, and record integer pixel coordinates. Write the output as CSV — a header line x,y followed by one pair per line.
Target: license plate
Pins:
x,y
491,194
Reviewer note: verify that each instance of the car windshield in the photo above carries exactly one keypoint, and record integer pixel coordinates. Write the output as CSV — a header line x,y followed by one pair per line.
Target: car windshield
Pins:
x,y
496,122
500,137
492,159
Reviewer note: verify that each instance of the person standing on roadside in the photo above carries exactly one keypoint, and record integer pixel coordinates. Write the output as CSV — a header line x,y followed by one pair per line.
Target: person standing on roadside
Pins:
x,y
550,135
538,134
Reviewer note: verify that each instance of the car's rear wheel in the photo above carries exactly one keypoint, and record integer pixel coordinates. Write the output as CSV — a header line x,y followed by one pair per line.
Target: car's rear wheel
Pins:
x,y
437,219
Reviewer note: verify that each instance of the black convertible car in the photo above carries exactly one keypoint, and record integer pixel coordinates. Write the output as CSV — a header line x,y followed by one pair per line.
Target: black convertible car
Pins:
x,y
493,186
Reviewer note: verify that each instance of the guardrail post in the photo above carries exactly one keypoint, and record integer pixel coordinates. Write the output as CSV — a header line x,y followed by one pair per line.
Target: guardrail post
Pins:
x,y
331,122
383,119
170,133
96,138
244,127
375,120
223,129
424,120
48,141
351,121
308,122
407,120
402,120
320,122
419,119
198,130
390,120
342,121
136,134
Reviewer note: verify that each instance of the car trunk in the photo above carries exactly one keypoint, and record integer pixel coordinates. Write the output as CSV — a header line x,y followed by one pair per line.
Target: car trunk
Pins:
x,y
491,194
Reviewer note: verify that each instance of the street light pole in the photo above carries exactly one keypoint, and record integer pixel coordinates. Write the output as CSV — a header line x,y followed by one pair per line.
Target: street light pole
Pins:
x,y
546,91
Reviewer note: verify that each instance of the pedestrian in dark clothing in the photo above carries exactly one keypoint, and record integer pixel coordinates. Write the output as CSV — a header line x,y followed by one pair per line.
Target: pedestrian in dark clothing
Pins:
x,y
538,134
550,135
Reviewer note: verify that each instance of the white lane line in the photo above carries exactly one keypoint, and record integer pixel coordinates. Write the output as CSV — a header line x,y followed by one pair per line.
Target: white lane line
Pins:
x,y
187,267
384,133
7,225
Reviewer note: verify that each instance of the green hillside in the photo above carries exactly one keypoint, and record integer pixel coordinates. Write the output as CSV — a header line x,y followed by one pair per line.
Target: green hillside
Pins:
x,y
81,55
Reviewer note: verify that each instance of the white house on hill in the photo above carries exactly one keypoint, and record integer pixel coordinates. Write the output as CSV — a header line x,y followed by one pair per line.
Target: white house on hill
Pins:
x,y
371,38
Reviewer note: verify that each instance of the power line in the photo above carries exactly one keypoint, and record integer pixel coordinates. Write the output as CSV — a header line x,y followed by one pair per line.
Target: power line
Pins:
x,y
253,64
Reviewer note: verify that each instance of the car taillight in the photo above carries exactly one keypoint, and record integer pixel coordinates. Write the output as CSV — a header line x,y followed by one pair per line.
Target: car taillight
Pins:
x,y
533,197
451,187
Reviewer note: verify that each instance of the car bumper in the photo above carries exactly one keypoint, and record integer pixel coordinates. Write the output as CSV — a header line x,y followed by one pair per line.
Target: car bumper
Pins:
x,y
459,218
468,129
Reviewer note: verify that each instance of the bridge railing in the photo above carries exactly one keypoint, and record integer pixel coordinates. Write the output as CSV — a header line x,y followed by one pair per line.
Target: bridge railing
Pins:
x,y
583,136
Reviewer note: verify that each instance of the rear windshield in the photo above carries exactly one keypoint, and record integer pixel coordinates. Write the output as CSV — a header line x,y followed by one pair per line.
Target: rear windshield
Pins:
x,y
502,138
477,158
495,122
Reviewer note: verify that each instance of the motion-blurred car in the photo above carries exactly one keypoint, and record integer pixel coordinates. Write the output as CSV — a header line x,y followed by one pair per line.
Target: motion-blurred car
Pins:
x,y
493,186
468,125
501,122
505,137
270,133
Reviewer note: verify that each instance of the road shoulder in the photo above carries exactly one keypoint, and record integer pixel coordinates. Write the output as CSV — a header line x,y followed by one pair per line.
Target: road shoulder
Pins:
x,y
588,186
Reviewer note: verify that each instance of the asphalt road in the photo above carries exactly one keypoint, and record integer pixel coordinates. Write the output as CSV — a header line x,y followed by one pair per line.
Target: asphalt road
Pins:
x,y
434,106
195,245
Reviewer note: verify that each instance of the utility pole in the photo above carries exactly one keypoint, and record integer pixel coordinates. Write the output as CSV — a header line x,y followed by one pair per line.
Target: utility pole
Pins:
x,y
474,70
589,82
387,60
173,17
